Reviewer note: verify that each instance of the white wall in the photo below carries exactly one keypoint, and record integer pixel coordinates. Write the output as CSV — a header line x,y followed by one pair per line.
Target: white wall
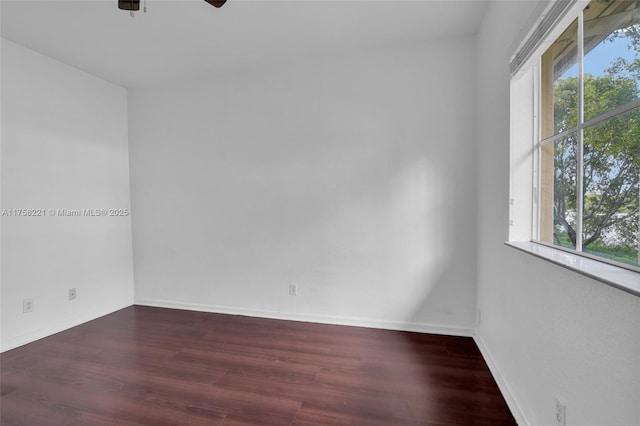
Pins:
x,y
64,146
547,331
349,175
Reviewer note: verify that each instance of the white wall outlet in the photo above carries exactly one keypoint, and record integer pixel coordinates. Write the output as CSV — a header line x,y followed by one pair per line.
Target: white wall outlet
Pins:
x,y
27,306
561,413
293,289
72,294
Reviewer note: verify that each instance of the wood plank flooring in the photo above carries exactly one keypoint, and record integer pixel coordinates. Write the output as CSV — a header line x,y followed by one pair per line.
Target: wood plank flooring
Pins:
x,y
152,366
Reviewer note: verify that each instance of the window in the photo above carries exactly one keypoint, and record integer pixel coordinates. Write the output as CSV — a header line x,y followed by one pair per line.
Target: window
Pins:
x,y
586,141
589,149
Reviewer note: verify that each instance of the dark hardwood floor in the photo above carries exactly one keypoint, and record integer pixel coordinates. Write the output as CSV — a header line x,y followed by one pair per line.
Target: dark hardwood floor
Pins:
x,y
155,366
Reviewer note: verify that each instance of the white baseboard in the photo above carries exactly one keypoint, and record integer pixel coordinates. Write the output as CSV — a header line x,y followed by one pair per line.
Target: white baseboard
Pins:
x,y
323,319
56,327
505,389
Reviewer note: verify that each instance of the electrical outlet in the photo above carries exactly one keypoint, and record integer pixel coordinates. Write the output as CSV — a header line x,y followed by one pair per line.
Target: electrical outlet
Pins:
x,y
293,289
72,294
479,319
27,306
561,413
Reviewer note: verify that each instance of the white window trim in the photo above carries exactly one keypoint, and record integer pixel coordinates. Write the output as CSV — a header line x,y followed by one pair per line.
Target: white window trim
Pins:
x,y
524,176
615,276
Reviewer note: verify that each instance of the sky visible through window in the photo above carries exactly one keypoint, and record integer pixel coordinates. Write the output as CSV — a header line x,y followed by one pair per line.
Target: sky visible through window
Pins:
x,y
602,56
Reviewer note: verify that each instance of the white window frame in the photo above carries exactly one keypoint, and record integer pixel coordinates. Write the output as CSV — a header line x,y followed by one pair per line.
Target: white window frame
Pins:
x,y
547,24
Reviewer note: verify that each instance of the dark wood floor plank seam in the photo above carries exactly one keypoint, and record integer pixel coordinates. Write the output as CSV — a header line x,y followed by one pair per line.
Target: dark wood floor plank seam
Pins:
x,y
144,365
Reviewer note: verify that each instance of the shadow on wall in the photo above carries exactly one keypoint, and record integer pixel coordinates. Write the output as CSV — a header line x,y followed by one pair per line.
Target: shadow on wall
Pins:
x,y
366,203
392,246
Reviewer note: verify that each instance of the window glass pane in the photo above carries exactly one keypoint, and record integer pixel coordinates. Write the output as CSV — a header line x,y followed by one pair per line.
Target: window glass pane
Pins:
x,y
611,179
611,63
564,191
560,84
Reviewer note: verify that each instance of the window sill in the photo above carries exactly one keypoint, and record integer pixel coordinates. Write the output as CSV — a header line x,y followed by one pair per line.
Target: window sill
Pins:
x,y
614,276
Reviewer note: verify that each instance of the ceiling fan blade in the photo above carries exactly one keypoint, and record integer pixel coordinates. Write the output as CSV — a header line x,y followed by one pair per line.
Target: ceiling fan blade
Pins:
x,y
129,4
216,3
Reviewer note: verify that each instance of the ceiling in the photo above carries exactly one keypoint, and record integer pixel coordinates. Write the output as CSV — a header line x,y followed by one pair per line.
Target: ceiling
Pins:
x,y
183,39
